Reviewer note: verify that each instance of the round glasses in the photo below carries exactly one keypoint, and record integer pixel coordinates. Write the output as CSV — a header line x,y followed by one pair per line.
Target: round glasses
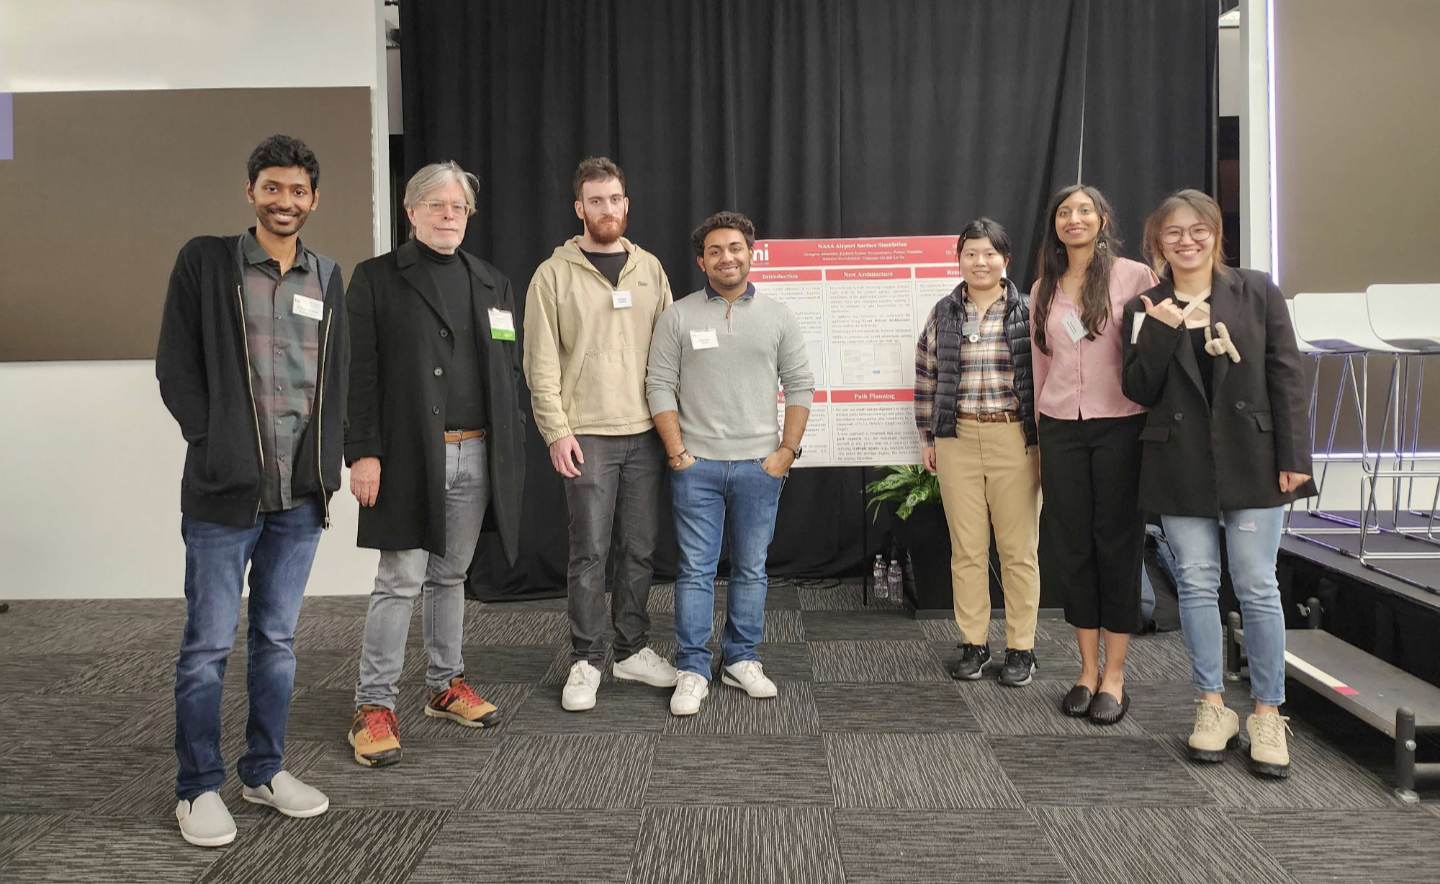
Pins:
x,y
1198,233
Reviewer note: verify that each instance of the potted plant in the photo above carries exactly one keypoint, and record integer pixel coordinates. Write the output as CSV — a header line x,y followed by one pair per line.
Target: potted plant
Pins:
x,y
920,531
924,538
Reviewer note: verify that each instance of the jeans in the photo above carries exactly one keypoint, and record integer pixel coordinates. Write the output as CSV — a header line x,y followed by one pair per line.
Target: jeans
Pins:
x,y
1252,538
279,549
714,498
613,520
439,580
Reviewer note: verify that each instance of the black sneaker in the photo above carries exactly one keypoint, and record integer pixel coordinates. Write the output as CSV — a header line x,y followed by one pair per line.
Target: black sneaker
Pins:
x,y
973,659
1019,668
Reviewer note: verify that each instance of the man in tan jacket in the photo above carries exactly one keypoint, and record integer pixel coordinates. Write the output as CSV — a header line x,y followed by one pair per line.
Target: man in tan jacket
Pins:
x,y
589,315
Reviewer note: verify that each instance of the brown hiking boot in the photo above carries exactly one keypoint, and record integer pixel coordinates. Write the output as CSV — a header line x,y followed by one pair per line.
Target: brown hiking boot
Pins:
x,y
1269,756
1216,729
375,734
462,705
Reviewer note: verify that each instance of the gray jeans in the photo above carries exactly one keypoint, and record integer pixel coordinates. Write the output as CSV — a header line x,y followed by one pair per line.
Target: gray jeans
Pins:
x,y
439,580
613,521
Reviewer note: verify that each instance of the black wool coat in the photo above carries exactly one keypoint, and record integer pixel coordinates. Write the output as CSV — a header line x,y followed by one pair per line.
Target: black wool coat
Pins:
x,y
1206,454
401,346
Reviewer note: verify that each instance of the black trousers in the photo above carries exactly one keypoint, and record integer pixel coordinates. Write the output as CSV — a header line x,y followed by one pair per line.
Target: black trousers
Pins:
x,y
1092,533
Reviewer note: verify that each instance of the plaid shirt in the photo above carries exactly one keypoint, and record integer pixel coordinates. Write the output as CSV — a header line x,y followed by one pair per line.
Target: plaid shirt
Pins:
x,y
986,376
284,360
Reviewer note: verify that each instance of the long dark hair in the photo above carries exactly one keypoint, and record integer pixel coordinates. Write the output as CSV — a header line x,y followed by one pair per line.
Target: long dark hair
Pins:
x,y
1053,261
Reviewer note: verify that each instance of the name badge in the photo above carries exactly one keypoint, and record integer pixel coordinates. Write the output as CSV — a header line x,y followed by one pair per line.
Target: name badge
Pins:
x,y
307,307
971,331
1135,327
1073,327
704,339
620,300
502,325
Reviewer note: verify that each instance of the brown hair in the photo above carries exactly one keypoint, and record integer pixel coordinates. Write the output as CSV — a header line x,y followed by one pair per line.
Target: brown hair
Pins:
x,y
597,169
1210,215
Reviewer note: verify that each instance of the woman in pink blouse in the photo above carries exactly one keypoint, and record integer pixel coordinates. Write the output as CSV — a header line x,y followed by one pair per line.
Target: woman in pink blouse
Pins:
x,y
1091,531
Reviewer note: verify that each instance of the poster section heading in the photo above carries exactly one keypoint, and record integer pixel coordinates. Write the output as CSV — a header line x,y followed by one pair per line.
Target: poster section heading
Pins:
x,y
861,303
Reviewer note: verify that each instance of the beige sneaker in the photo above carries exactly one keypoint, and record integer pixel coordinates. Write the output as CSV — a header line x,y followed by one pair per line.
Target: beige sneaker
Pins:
x,y
1269,756
1217,728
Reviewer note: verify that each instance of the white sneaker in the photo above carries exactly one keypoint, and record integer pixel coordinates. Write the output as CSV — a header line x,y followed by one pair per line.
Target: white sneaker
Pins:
x,y
646,667
691,690
288,795
205,821
748,676
580,688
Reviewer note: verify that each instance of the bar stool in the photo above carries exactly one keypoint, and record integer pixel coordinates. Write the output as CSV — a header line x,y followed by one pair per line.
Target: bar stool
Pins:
x,y
1337,324
1406,317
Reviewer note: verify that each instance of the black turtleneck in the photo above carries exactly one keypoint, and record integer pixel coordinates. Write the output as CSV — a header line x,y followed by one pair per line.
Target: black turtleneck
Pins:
x,y
465,387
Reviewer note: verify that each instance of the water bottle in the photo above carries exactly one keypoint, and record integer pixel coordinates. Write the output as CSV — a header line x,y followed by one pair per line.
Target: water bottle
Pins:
x,y
879,588
895,581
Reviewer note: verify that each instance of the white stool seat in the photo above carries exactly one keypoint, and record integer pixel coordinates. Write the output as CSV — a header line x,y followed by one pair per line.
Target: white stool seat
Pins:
x,y
1338,322
1405,316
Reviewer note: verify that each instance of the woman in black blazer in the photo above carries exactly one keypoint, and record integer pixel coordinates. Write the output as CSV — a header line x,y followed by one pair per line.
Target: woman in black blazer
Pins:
x,y
1211,354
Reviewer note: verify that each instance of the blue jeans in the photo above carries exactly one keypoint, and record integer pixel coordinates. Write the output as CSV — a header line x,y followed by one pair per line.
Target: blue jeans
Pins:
x,y
1252,538
279,548
715,498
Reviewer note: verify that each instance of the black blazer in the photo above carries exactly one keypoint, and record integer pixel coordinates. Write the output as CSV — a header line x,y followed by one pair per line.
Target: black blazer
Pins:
x,y
1203,456
401,346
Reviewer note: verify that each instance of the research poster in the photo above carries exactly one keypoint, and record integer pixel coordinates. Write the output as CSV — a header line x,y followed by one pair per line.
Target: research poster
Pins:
x,y
862,303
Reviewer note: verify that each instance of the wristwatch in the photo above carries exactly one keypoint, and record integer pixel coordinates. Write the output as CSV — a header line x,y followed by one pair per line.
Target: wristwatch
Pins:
x,y
794,449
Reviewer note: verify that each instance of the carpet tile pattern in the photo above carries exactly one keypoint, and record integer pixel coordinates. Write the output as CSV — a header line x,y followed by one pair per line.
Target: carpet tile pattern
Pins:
x,y
871,765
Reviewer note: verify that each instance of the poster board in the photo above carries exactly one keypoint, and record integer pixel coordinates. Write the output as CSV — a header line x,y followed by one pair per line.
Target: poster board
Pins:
x,y
862,303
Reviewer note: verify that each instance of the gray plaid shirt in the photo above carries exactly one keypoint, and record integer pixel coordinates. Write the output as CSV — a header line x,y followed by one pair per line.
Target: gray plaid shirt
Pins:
x,y
284,349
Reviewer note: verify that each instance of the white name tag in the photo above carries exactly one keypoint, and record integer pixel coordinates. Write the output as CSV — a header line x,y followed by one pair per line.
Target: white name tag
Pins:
x,y
307,307
620,300
1073,327
1135,327
502,324
704,339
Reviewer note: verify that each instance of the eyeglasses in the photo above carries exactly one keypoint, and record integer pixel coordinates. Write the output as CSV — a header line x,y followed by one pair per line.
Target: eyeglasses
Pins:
x,y
1198,233
437,207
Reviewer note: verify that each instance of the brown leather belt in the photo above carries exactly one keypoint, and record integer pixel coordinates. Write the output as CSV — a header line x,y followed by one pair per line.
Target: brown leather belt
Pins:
x,y
990,417
463,435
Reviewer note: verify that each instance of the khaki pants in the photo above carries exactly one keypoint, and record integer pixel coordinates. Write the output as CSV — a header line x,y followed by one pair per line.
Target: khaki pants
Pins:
x,y
986,470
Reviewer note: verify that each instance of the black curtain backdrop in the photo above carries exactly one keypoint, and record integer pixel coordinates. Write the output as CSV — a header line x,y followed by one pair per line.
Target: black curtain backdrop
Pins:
x,y
817,118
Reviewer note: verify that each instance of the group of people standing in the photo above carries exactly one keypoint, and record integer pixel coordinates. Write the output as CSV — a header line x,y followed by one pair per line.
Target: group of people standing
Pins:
x,y
275,372
1116,389
413,376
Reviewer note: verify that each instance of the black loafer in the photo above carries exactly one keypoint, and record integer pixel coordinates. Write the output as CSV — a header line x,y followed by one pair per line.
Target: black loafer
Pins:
x,y
1108,710
1077,702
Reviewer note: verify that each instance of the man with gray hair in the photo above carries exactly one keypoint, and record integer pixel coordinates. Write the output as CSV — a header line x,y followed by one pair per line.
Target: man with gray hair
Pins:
x,y
589,314
435,437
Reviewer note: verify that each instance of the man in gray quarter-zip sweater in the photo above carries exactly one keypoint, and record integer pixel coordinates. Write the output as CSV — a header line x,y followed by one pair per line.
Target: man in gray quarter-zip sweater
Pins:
x,y
717,361
251,361
589,315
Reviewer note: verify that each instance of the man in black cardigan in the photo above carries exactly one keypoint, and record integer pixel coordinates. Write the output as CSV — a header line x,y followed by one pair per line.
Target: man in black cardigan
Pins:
x,y
252,362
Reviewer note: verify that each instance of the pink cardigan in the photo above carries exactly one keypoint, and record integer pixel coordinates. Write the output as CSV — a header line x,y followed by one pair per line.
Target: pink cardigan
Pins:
x,y
1082,380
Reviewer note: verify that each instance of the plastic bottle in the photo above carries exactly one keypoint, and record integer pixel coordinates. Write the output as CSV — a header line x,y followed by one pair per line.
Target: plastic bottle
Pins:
x,y
879,586
895,580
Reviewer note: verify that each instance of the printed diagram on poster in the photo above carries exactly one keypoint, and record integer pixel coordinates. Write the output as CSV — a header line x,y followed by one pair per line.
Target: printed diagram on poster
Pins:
x,y
861,303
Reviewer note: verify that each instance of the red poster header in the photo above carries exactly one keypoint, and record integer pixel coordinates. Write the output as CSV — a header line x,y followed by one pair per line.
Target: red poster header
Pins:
x,y
905,395
785,275
863,275
865,251
951,272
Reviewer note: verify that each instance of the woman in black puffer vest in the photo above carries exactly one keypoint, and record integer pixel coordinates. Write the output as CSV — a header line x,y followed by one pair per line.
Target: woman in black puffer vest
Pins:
x,y
975,412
